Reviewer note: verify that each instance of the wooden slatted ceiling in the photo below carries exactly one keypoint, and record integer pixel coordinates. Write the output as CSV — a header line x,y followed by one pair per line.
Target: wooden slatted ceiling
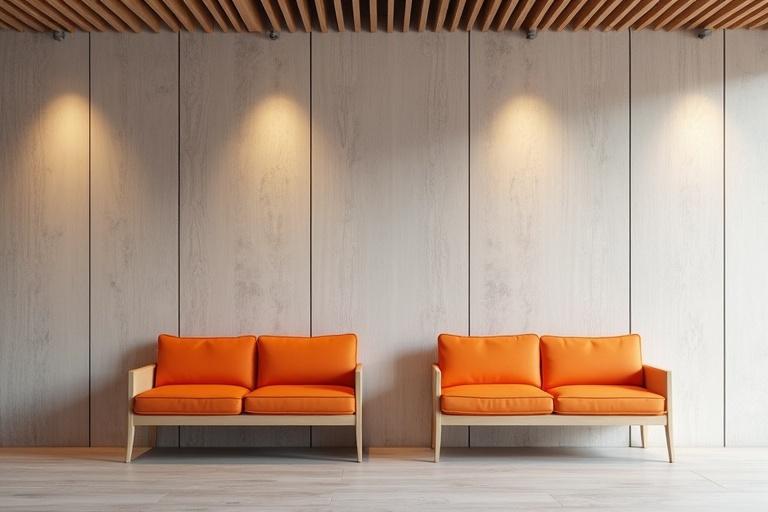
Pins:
x,y
373,15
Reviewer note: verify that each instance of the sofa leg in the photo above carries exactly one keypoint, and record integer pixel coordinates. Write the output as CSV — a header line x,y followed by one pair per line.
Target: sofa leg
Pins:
x,y
359,438
670,446
644,436
438,435
131,434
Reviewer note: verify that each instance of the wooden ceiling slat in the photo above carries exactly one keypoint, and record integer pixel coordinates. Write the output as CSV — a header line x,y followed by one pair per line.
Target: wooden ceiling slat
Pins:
x,y
214,9
21,18
181,13
761,23
125,14
653,14
52,14
286,8
539,9
552,14
671,14
506,13
201,15
373,15
619,14
442,12
87,14
146,14
636,13
473,13
726,11
339,12
231,12
605,10
490,13
568,14
407,15
390,16
519,14
322,19
356,23
73,16
697,20
741,14
586,12
423,14
305,14
693,10
23,11
3,25
751,18
274,20
113,21
458,10
10,21
249,13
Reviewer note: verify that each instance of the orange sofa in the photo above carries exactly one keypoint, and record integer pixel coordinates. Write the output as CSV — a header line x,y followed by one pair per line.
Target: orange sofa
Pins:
x,y
275,380
527,380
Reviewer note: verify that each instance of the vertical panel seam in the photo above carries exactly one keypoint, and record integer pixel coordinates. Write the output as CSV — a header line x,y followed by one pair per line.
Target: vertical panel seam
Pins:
x,y
629,182
725,320
90,291
178,198
310,203
469,199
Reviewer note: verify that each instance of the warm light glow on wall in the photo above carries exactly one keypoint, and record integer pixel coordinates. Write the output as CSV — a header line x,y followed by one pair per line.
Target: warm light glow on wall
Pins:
x,y
695,118
61,126
270,130
525,129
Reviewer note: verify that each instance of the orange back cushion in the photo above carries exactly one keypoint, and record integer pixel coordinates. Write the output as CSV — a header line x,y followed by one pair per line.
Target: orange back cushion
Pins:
x,y
613,360
329,360
206,361
489,359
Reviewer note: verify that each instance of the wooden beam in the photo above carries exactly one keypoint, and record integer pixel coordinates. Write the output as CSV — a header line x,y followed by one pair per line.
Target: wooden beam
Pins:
x,y
146,14
274,20
458,10
637,13
52,14
3,26
373,15
671,14
10,21
126,15
539,9
26,14
442,13
87,14
568,14
619,13
231,12
217,13
73,16
742,13
589,10
322,18
490,14
722,14
422,23
474,11
305,14
552,13
607,8
520,13
407,15
180,11
752,18
691,12
653,14
390,15
290,22
762,22
339,12
19,18
248,12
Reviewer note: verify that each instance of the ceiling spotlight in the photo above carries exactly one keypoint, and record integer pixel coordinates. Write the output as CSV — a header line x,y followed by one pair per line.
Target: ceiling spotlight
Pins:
x,y
273,36
59,35
704,33
531,33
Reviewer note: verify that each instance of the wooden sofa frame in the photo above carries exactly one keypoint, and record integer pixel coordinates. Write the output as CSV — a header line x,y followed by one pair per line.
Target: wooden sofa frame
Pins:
x,y
656,381
142,379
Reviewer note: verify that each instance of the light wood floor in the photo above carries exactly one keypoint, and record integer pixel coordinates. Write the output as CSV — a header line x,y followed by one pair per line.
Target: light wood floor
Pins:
x,y
530,479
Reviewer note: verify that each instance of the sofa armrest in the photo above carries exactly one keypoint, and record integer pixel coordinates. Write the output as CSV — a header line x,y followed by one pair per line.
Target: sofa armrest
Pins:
x,y
140,380
359,388
437,381
658,381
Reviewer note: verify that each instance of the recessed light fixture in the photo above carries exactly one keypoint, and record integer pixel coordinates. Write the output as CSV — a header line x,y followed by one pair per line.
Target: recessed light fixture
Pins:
x,y
704,33
531,33
273,36
59,35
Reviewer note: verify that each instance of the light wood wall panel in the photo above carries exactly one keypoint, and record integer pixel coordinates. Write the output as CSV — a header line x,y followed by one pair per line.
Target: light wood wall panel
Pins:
x,y
549,216
43,240
677,222
134,217
389,213
746,152
245,256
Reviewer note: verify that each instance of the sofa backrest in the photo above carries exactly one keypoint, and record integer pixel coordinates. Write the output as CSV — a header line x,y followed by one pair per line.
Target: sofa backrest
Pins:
x,y
329,360
489,359
206,361
610,360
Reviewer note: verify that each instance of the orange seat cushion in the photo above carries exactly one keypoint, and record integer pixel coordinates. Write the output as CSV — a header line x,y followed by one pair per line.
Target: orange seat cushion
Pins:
x,y
329,360
489,359
615,360
229,361
495,399
607,400
300,399
191,399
